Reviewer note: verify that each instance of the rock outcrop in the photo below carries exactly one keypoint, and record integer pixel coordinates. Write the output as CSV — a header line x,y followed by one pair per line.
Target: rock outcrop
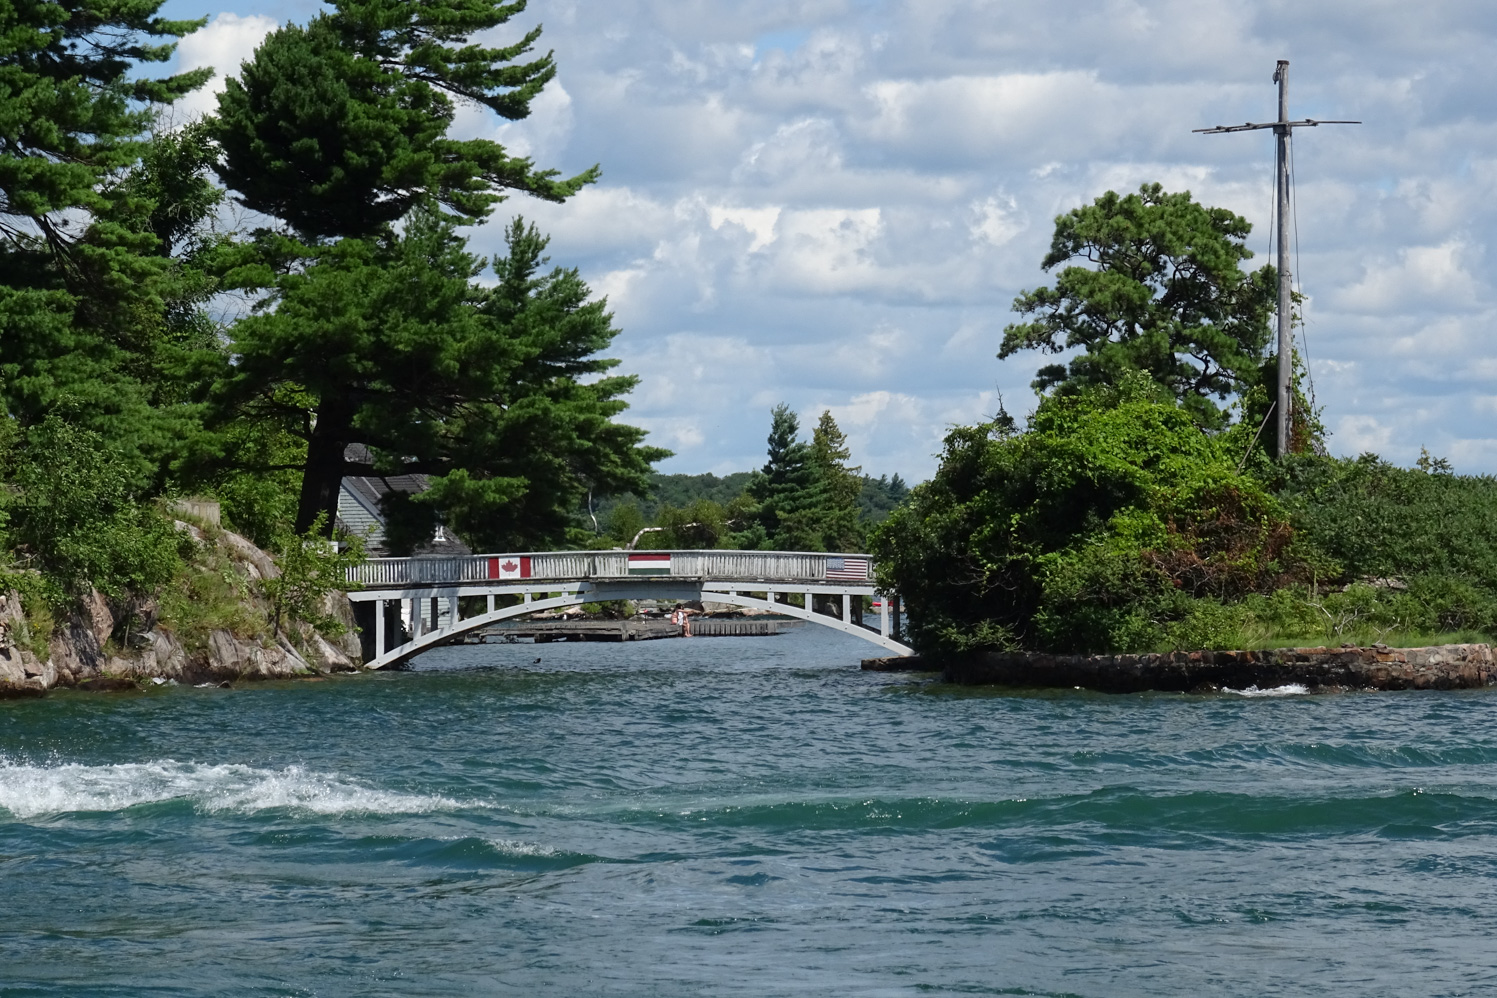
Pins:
x,y
94,650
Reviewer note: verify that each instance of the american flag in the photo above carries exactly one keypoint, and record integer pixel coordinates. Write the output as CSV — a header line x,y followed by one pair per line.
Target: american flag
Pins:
x,y
852,569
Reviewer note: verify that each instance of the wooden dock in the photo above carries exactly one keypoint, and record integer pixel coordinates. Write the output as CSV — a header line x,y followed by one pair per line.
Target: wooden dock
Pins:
x,y
543,631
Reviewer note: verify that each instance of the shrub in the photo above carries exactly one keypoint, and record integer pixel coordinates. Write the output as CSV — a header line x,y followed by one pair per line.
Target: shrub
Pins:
x,y
77,514
311,568
1096,529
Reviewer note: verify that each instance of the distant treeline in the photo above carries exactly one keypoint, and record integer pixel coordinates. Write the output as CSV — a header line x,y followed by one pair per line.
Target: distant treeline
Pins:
x,y
877,497
806,497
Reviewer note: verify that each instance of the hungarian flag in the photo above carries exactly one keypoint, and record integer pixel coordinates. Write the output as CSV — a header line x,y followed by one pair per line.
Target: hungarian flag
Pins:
x,y
650,563
510,567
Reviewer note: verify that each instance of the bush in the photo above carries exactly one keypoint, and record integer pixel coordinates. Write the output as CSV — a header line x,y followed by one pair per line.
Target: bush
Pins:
x,y
1099,528
1364,518
311,568
76,514
209,593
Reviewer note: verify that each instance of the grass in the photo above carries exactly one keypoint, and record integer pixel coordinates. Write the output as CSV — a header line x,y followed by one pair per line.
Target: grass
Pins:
x,y
212,592
1364,638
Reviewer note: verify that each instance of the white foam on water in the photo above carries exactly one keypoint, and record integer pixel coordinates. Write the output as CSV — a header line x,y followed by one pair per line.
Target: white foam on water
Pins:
x,y
514,847
28,790
1287,690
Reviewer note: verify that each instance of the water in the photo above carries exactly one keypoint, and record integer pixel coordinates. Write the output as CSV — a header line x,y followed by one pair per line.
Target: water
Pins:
x,y
746,816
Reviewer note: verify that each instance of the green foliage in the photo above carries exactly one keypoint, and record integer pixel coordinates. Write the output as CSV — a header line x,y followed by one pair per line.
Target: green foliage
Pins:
x,y
340,128
1112,523
780,489
257,487
109,360
1094,530
1431,610
624,521
101,333
1365,518
369,336
40,599
495,393
1162,293
702,524
210,592
877,497
311,568
74,514
88,295
74,107
832,518
806,497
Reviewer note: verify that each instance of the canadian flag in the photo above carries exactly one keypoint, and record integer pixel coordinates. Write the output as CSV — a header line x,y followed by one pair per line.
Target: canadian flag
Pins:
x,y
512,566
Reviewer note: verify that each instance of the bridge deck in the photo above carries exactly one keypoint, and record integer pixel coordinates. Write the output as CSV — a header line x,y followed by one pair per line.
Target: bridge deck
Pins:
x,y
563,566
568,578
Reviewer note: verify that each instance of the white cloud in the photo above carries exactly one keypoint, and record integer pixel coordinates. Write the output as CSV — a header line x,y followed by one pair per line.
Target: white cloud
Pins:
x,y
828,249
833,204
1359,434
996,220
223,44
759,223
1422,277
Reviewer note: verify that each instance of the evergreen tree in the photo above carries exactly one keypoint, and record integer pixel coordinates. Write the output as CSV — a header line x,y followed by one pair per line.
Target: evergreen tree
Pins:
x,y
389,343
340,128
879,496
831,518
780,489
806,497
88,292
829,456
1164,295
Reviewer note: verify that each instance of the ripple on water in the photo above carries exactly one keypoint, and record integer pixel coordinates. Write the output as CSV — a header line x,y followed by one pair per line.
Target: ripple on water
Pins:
x,y
742,817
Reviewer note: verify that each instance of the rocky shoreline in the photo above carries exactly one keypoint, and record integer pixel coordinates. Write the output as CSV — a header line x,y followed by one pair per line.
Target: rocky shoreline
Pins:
x,y
95,649
1318,669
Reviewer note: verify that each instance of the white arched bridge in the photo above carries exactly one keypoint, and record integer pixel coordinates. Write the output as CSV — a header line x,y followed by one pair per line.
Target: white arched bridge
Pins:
x,y
427,592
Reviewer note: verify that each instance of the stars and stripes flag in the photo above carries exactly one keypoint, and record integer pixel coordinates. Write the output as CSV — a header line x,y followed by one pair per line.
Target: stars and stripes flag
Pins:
x,y
851,569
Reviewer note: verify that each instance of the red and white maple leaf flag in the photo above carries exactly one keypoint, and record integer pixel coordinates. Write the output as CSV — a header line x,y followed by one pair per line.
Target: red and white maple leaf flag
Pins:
x,y
511,566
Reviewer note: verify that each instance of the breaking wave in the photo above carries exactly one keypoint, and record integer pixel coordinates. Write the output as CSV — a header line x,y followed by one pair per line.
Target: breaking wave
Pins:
x,y
1287,690
28,791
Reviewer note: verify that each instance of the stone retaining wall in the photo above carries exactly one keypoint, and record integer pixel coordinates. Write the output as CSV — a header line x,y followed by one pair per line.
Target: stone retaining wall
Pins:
x,y
1443,667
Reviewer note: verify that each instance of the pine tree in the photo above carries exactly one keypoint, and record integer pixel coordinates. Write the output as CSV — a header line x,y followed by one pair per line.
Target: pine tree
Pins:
x,y
339,128
837,517
1157,288
780,489
498,394
88,294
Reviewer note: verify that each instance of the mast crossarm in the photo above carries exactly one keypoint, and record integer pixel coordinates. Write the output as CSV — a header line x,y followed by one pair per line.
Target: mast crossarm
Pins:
x,y
1251,126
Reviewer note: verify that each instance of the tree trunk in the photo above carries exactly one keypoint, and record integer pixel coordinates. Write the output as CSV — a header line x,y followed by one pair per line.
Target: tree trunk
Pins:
x,y
323,473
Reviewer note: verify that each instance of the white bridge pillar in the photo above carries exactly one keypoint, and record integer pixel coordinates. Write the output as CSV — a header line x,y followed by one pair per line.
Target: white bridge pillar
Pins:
x,y
553,580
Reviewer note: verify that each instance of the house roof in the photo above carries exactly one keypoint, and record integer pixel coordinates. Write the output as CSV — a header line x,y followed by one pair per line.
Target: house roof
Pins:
x,y
360,512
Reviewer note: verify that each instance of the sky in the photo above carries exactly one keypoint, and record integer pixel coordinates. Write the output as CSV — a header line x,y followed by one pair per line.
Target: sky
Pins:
x,y
833,203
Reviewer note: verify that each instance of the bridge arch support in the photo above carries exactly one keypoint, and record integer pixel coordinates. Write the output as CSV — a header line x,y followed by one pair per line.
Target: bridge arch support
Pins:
x,y
574,594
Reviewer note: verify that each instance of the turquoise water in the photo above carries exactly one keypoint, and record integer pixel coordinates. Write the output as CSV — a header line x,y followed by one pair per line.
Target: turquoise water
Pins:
x,y
741,817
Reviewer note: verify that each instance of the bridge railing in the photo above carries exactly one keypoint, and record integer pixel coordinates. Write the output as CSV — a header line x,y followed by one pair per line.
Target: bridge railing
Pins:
x,y
747,566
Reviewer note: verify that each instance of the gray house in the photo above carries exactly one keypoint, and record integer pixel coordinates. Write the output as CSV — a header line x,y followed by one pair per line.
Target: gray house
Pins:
x,y
360,513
